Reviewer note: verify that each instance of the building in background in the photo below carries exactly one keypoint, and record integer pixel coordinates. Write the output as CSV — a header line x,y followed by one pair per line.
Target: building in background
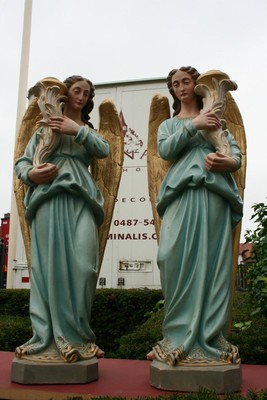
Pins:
x,y
244,262
4,240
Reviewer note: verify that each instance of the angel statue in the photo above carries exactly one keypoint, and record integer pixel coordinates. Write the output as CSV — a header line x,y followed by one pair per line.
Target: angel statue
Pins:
x,y
65,212
196,185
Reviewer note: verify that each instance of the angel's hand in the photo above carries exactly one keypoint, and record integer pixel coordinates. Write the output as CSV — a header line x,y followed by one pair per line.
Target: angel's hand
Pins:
x,y
207,121
64,125
43,173
218,162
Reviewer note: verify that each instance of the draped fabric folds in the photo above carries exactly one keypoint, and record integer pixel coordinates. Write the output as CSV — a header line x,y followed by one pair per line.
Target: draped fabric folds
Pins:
x,y
65,215
198,209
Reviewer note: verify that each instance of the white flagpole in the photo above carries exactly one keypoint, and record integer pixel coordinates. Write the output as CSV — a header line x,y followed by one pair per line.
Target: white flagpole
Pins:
x,y
22,98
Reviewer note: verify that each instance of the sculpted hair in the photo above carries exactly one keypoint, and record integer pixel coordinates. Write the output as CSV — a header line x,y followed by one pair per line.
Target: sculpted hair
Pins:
x,y
177,104
90,104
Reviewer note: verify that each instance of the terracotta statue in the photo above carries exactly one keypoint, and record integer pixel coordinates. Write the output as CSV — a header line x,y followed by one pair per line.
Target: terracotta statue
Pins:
x,y
64,207
196,205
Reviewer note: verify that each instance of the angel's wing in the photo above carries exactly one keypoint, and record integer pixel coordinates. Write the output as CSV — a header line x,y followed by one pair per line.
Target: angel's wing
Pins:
x,y
156,166
218,98
31,120
27,127
234,122
235,125
107,171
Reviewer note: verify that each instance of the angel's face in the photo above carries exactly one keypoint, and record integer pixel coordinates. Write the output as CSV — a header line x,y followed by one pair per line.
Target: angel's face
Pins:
x,y
183,86
78,95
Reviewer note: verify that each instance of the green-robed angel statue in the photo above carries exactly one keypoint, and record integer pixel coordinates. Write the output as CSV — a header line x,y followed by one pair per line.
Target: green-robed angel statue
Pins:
x,y
196,175
67,177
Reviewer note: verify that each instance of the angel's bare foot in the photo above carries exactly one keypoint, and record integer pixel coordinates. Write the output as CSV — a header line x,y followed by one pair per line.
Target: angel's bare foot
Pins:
x,y
100,353
151,356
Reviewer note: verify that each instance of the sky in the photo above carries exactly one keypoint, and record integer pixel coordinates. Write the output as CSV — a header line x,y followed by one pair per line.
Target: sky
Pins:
x,y
121,40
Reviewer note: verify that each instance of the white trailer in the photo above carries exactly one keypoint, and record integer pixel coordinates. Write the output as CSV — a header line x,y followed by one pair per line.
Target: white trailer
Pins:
x,y
131,251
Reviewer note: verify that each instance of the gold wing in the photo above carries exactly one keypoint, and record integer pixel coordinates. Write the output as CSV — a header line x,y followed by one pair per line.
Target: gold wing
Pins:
x,y
156,166
44,101
107,172
235,125
28,125
214,87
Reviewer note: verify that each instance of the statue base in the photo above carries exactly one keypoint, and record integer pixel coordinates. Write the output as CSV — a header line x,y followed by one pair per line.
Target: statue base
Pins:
x,y
33,373
220,379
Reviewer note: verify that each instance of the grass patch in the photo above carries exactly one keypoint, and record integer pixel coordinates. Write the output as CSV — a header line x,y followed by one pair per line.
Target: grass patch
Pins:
x,y
201,395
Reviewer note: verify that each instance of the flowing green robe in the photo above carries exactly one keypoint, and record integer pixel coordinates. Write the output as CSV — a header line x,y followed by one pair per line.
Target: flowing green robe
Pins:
x,y
64,215
198,208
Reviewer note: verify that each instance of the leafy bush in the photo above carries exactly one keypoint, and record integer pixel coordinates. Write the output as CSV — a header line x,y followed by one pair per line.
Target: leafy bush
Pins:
x,y
14,331
116,312
257,273
249,331
14,302
137,344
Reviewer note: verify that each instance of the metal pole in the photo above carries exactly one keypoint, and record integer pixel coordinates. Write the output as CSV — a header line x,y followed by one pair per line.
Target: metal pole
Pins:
x,y
22,96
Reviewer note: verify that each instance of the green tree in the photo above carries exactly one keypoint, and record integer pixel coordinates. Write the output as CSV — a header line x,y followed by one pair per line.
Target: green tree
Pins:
x,y
257,273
